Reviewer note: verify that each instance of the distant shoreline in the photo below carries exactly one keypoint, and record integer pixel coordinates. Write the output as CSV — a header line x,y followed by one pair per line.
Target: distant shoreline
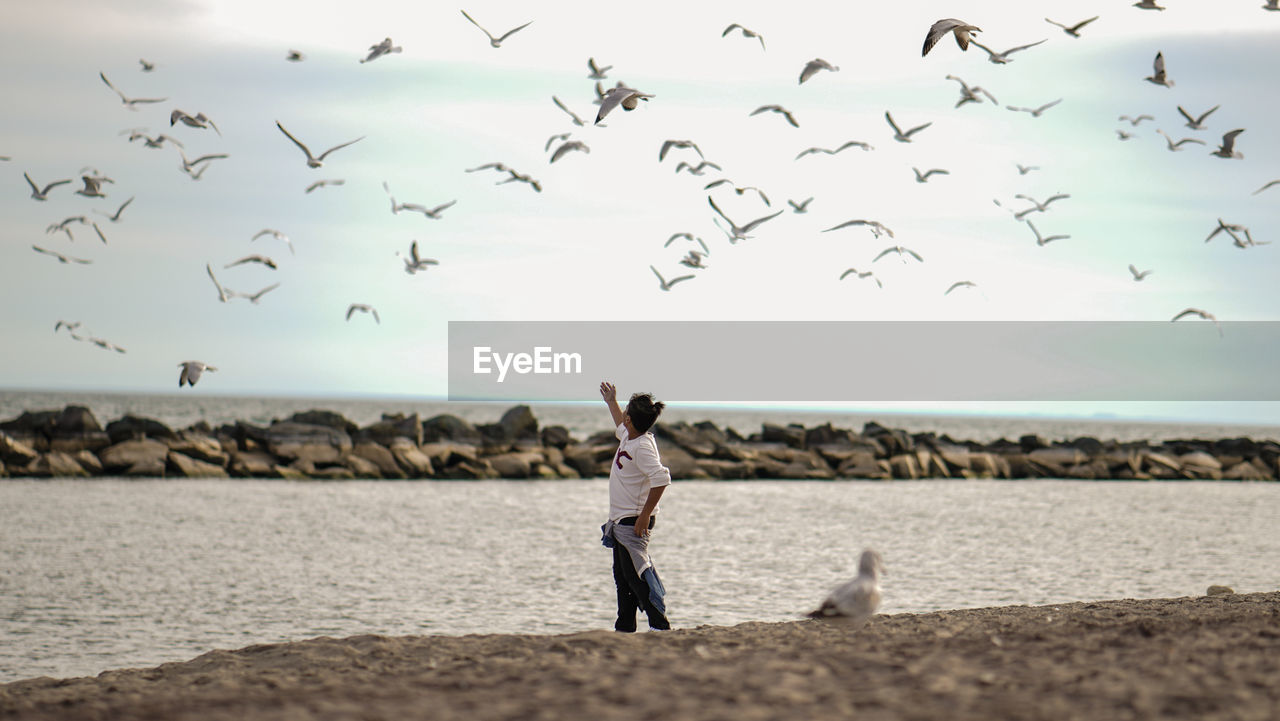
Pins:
x,y
1179,658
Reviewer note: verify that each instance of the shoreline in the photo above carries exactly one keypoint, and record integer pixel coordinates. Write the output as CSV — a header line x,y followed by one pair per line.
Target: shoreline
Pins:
x,y
1193,657
324,445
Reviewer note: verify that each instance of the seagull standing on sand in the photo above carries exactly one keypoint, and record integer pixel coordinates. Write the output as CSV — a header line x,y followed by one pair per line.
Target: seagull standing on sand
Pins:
x,y
812,67
900,136
39,194
1227,149
1139,275
312,161
858,599
961,29
745,33
496,42
1002,58
667,284
1072,30
628,98
1158,77
363,308
191,372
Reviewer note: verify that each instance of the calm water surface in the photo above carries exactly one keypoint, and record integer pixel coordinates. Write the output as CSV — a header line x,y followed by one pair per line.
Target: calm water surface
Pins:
x,y
110,574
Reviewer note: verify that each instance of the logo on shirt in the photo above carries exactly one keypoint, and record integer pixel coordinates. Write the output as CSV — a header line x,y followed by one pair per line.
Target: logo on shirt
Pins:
x,y
618,458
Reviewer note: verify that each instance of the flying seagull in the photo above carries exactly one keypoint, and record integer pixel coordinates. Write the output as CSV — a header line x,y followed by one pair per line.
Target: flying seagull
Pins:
x,y
698,169
745,33
1024,169
1199,313
414,262
777,109
802,207
323,183
1158,77
576,119
924,177
568,146
628,98
1139,275
496,42
1002,58
812,67
857,600
199,120
667,145
1037,206
693,260
970,94
667,284
558,136
1123,135
61,258
115,218
1231,229
902,253
364,309
264,260
255,297
1197,123
274,234
70,326
1072,30
689,237
1044,240
191,372
92,187
146,66
900,136
960,284
521,178
294,56
1174,147
39,194
432,213
62,227
222,292
1147,5
1134,121
383,48
861,275
1227,149
877,228
98,230
738,189
1272,5
597,72
849,144
106,345
739,232
312,161
1035,112
948,25
129,102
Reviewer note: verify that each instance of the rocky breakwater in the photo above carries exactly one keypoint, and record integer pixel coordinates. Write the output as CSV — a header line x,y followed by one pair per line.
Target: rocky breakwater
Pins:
x,y
325,445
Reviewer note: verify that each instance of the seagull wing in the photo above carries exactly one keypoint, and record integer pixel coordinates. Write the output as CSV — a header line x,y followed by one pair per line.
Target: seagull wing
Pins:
x,y
473,22
611,100
937,30
1082,23
1206,114
1023,47
109,85
892,124
296,141
750,226
720,212
576,119
917,129
513,31
1228,142
325,154
222,293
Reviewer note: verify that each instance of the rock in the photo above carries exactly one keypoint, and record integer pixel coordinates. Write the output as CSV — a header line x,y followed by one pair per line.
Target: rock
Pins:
x,y
443,455
1087,445
312,453
318,444
32,423
931,464
332,473
988,465
1032,442
1245,471
1159,464
200,447
146,457
193,468
449,428
680,462
415,463
826,435
76,419
1199,459
893,441
791,434
1242,447
286,473
556,436
1095,469
863,464
723,470
957,458
514,465
905,465
380,458
15,452
89,462
684,435
470,471
1060,456
329,419
135,428
252,464
55,464
391,427
1216,590
519,422
79,441
709,432
590,461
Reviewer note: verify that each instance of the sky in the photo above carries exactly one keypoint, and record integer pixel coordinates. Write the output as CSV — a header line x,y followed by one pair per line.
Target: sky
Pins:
x,y
582,248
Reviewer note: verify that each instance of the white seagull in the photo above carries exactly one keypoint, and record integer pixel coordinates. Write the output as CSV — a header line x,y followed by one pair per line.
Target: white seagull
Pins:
x,y
115,218
777,109
739,232
849,144
1158,77
1002,58
745,33
597,72
693,260
813,66
363,308
383,48
1044,240
61,258
970,94
900,136
569,146
667,284
1024,169
576,119
323,183
223,294
274,234
857,600
924,177
1174,147
802,207
902,253
877,228
312,161
1139,275
129,102
1035,112
1072,30
1134,121
961,29
199,120
39,194
255,297
1198,122
1037,206
628,98
414,262
496,42
698,169
92,187
960,284
264,260
689,237
1147,5
738,189
862,275
1227,149
1270,183
1199,313
667,145
191,372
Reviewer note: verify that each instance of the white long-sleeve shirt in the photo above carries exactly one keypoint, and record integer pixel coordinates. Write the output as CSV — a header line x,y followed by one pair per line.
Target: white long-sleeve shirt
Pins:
x,y
635,469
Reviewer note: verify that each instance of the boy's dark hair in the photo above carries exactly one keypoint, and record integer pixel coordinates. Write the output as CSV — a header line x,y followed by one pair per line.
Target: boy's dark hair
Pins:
x,y
644,410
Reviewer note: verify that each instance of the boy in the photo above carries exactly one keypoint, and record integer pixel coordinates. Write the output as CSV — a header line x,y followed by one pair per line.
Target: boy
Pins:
x,y
637,479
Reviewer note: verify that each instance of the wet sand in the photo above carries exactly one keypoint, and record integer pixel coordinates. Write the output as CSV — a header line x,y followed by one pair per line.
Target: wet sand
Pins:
x,y
1208,657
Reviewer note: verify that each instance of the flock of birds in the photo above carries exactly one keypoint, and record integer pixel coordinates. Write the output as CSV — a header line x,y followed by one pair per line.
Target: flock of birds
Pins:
x,y
561,145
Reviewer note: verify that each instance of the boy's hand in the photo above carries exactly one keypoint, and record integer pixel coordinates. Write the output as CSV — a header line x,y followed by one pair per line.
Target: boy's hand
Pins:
x,y
608,391
642,525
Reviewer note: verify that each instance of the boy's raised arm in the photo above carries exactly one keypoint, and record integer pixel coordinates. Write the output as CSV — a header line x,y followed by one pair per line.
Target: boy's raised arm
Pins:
x,y
610,395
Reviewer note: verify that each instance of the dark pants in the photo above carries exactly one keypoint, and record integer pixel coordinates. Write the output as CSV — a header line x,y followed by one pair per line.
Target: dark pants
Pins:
x,y
633,591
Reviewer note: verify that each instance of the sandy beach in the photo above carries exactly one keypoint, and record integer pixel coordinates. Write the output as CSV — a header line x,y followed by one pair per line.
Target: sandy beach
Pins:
x,y
1209,657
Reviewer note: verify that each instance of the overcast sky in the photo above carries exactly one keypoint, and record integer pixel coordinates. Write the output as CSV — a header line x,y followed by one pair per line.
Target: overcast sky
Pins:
x,y
581,249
